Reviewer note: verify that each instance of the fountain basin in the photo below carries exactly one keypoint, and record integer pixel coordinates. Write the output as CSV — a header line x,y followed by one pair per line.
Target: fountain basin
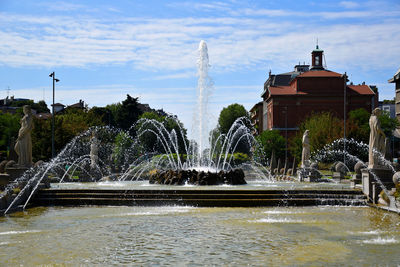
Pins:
x,y
143,194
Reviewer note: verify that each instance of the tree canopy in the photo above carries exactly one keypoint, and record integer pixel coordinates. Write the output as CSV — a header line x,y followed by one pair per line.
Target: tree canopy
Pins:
x,y
270,141
228,116
324,129
126,114
149,139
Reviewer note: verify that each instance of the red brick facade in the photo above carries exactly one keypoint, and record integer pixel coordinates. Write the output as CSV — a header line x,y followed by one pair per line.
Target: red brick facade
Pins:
x,y
289,98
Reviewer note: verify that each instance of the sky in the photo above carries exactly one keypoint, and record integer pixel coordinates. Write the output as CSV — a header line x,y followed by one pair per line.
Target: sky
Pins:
x,y
103,50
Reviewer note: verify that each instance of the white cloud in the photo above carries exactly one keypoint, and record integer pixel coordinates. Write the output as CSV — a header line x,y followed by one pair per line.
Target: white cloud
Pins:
x,y
62,6
180,75
170,44
349,4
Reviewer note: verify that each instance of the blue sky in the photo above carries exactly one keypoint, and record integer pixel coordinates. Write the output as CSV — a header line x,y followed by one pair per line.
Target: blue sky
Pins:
x,y
103,50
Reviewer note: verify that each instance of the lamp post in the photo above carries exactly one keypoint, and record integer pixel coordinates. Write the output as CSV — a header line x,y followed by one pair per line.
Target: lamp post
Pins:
x,y
53,75
286,146
344,118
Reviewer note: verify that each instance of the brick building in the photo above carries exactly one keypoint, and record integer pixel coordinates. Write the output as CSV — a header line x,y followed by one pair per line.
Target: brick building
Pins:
x,y
396,81
290,97
256,117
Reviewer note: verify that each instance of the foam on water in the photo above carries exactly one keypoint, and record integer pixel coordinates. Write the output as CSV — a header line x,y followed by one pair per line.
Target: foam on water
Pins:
x,y
112,184
19,232
272,220
381,241
281,212
372,232
153,212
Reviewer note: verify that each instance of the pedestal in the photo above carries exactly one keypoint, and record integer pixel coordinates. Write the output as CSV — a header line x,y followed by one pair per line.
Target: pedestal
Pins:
x,y
338,176
308,174
374,180
16,172
355,179
5,179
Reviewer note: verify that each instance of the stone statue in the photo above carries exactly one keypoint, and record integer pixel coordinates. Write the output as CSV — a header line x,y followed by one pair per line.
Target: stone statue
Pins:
x,y
23,146
94,152
305,155
376,139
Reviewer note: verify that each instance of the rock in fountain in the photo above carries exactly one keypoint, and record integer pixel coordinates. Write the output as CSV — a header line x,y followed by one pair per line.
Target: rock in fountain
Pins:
x,y
340,170
182,177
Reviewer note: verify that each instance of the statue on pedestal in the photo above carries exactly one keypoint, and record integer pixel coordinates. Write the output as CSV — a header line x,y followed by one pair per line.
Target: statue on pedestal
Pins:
x,y
305,155
376,139
23,146
94,152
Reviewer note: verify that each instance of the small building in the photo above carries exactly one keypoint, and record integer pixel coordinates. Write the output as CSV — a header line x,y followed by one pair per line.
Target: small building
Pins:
x,y
389,108
58,107
256,116
396,81
79,105
288,98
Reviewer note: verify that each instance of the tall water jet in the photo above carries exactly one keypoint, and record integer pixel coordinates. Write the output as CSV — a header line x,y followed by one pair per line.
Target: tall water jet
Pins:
x,y
204,88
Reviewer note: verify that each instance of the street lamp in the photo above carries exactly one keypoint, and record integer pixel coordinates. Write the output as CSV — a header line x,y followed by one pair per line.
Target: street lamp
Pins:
x,y
53,75
286,137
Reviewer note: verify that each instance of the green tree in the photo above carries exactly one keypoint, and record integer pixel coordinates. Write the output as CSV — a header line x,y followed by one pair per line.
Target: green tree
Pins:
x,y
228,116
128,113
40,107
358,125
67,125
9,126
270,141
388,124
226,119
114,111
324,129
105,114
149,139
122,145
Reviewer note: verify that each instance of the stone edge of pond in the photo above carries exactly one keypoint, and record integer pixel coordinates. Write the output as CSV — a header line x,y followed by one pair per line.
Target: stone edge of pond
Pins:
x,y
385,208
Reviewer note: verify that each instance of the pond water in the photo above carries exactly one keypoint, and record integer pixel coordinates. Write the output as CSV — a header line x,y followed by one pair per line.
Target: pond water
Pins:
x,y
169,235
252,184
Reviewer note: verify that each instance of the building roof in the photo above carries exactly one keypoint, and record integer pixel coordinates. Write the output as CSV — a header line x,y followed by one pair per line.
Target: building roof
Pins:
x,y
289,90
77,105
256,106
58,104
284,90
320,73
396,77
360,89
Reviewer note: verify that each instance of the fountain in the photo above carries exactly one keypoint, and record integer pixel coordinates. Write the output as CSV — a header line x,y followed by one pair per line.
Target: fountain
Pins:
x,y
151,229
113,162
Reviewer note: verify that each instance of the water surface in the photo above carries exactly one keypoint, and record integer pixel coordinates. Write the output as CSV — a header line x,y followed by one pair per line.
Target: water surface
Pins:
x,y
341,236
